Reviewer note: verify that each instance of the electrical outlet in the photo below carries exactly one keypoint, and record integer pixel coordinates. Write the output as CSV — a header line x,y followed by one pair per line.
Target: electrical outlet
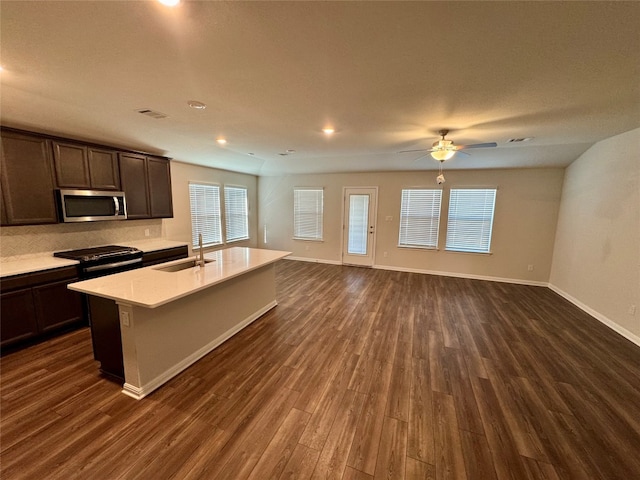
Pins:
x,y
385,254
632,310
388,218
146,232
307,248
124,318
530,268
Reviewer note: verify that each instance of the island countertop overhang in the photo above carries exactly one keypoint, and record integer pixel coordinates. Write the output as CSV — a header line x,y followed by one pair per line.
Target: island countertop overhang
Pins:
x,y
151,287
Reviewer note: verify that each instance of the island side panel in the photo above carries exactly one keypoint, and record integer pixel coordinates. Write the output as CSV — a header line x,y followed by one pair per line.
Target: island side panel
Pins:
x,y
161,342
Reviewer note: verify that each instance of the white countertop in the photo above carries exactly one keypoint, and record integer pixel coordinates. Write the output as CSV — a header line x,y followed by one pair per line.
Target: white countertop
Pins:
x,y
150,287
46,260
33,264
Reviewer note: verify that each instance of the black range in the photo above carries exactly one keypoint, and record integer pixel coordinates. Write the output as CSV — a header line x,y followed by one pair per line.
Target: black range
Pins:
x,y
104,260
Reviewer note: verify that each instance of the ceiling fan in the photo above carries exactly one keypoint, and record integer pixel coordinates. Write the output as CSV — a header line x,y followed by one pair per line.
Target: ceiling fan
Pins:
x,y
444,149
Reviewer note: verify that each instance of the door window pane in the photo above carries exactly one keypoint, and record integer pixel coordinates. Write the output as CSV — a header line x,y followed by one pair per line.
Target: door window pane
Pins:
x,y
358,224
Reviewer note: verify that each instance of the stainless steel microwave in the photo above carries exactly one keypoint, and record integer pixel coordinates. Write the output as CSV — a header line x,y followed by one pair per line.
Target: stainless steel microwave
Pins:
x,y
92,205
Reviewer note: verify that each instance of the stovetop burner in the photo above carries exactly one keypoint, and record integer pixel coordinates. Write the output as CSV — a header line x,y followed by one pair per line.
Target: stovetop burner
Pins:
x,y
96,254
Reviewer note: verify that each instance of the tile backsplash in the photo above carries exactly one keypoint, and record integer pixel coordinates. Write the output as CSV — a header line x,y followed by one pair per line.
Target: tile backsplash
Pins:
x,y
38,239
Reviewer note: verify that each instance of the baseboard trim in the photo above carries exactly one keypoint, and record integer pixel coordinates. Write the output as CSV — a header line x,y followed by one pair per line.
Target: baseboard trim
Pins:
x,y
140,392
313,260
463,275
597,315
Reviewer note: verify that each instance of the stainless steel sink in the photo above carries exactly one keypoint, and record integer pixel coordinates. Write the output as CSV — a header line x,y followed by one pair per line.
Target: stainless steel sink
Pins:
x,y
177,267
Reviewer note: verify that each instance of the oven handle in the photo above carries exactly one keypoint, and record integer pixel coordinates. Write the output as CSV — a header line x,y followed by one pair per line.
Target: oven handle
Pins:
x,y
97,268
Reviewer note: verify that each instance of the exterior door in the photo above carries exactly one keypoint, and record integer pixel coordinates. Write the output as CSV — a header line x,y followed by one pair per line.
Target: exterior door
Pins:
x,y
359,230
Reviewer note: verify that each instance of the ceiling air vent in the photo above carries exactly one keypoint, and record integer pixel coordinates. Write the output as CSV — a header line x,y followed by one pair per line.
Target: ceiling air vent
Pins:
x,y
152,113
519,140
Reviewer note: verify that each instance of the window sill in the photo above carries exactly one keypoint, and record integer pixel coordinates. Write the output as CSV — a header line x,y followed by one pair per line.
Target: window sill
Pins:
x,y
320,240
418,247
235,240
468,253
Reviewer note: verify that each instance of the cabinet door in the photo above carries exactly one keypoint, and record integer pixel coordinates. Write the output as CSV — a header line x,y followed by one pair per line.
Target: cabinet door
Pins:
x,y
134,182
27,180
17,317
103,169
56,306
105,335
159,172
71,165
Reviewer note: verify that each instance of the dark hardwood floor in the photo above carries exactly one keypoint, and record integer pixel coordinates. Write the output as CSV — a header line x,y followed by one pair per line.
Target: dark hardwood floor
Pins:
x,y
357,374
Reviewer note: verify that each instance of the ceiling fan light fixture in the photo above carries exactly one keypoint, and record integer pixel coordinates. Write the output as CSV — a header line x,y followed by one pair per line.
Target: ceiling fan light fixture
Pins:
x,y
442,155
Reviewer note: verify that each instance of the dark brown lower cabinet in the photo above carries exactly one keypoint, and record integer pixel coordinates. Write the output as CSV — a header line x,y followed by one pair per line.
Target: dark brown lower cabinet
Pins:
x,y
18,317
35,305
166,255
105,336
57,306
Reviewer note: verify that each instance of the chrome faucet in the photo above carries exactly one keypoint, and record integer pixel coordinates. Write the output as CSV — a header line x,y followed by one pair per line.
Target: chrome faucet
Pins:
x,y
200,262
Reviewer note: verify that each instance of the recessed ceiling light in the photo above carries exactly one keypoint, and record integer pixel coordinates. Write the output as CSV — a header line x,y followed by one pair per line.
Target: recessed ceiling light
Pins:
x,y
169,3
328,130
221,141
196,104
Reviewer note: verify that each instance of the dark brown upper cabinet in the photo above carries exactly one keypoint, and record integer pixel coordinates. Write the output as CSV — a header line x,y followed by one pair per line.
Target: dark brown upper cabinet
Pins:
x,y
27,180
146,182
159,172
81,166
135,184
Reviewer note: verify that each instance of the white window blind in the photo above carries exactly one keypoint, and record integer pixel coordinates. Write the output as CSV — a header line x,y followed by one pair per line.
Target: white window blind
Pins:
x,y
470,219
236,212
205,213
307,213
420,217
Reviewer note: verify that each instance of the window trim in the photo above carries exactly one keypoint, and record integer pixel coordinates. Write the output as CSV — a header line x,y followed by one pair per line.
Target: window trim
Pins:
x,y
437,229
226,213
458,249
319,214
194,242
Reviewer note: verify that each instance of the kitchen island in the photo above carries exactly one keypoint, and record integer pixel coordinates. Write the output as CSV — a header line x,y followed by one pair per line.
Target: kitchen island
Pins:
x,y
173,314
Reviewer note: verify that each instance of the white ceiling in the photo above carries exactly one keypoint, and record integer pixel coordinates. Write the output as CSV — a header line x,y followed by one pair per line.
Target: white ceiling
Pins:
x,y
387,75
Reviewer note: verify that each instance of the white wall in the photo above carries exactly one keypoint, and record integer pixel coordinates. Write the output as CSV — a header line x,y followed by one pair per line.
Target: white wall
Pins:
x,y
525,219
596,260
179,227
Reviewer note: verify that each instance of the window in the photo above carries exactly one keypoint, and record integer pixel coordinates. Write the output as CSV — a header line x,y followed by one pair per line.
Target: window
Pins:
x,y
236,213
420,217
307,213
205,213
470,219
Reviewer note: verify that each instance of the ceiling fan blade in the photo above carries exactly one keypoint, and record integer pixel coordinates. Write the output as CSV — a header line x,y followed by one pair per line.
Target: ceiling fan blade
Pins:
x,y
478,145
420,158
